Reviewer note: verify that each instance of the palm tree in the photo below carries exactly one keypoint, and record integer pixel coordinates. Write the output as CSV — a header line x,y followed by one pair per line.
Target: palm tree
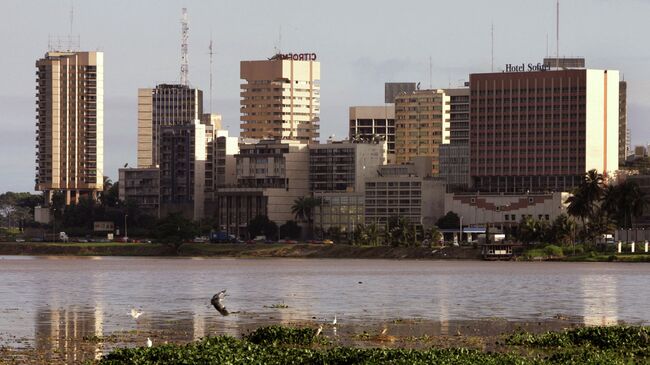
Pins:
x,y
303,210
433,235
633,201
563,229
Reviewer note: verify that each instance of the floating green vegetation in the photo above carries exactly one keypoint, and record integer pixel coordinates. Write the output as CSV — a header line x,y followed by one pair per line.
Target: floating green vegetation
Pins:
x,y
284,345
277,306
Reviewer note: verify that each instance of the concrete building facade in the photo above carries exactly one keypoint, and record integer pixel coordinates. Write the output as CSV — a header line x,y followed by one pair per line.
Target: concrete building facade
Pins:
x,y
70,124
280,99
271,175
542,130
421,126
367,122
337,174
480,209
405,190
141,185
165,105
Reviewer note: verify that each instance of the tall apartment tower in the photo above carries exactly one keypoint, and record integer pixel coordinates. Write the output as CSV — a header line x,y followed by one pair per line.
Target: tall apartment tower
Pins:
x,y
542,130
70,124
421,125
165,105
281,98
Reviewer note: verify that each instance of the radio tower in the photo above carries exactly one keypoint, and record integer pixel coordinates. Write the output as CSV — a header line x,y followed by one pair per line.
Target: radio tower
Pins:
x,y
185,65
210,53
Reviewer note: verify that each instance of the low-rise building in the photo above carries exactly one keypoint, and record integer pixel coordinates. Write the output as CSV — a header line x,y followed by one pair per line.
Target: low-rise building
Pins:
x,y
337,174
271,175
407,191
500,210
142,186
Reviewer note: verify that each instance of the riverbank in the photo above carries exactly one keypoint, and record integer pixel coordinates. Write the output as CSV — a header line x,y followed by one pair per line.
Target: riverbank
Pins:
x,y
239,250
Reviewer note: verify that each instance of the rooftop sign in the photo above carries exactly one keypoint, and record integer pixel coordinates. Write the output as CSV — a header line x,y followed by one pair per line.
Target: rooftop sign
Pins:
x,y
526,68
295,56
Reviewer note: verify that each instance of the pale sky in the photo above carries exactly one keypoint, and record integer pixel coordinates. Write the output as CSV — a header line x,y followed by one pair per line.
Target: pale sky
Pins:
x,y
360,44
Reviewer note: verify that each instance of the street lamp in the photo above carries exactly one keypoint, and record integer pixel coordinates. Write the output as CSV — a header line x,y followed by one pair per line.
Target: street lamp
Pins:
x,y
126,236
460,238
54,224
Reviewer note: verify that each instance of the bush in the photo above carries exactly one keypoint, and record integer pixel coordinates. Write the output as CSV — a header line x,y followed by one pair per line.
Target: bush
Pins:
x,y
533,253
553,250
282,335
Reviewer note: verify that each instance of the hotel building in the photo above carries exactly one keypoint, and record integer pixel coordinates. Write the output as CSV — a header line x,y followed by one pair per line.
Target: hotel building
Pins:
x,y
280,98
421,125
542,130
70,124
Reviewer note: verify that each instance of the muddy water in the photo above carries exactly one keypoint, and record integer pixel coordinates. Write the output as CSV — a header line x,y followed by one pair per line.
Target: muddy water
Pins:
x,y
53,303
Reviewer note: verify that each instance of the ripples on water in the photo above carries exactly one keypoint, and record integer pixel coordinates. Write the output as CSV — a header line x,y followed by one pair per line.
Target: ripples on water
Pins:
x,y
59,297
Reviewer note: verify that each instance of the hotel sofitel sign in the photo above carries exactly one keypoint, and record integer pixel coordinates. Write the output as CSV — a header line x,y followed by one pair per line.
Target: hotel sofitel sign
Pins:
x,y
530,67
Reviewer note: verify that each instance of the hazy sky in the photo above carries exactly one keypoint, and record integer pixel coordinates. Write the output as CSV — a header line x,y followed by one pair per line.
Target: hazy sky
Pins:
x,y
360,44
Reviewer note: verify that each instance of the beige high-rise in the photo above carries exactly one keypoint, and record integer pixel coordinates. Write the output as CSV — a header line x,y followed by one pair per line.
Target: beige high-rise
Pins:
x,y
70,124
280,99
421,125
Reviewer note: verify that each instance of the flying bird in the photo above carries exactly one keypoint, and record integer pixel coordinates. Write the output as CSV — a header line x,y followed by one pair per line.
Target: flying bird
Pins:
x,y
149,342
218,304
383,332
136,313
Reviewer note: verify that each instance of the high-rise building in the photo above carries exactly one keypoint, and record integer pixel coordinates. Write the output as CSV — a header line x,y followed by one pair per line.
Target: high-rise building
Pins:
x,y
70,124
142,186
165,105
623,135
367,122
183,156
454,157
281,98
542,130
421,125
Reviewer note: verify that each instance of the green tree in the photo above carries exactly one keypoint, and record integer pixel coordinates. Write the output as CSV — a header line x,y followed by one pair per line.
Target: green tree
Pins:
x,y
303,210
586,200
261,225
624,202
174,230
450,220
399,232
433,235
563,230
290,230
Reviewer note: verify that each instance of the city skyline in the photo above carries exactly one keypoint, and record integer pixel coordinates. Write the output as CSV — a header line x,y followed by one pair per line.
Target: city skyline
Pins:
x,y
356,59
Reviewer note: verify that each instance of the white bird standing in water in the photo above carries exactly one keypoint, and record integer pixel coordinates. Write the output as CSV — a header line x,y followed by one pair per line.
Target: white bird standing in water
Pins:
x,y
217,302
320,329
149,342
334,321
136,313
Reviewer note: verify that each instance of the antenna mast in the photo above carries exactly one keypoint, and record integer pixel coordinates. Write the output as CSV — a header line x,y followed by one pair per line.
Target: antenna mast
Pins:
x,y
185,66
71,16
557,34
492,48
430,74
210,53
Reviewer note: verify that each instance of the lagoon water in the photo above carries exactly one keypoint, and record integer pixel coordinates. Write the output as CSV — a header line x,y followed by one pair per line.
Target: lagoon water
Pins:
x,y
61,297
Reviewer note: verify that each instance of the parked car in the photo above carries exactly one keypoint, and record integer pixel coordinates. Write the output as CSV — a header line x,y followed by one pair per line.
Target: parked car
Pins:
x,y
328,242
19,240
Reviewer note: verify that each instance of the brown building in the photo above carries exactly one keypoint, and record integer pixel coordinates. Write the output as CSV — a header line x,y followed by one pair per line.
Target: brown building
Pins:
x,y
367,122
281,98
542,130
70,124
421,125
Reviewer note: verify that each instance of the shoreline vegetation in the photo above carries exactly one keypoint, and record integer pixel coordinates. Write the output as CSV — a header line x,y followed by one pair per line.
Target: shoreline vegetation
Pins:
x,y
290,345
300,250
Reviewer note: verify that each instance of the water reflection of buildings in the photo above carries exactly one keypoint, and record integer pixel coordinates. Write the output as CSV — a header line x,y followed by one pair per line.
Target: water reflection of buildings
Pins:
x,y
600,299
64,333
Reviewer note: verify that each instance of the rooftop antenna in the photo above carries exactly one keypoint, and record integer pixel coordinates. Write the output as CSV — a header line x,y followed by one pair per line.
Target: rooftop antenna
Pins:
x,y
280,39
71,15
210,53
185,66
546,45
557,34
492,48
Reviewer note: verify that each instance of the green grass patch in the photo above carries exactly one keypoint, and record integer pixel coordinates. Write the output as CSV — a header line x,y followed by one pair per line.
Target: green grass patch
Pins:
x,y
286,345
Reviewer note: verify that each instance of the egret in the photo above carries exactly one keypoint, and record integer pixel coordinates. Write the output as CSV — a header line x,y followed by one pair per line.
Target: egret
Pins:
x,y
136,313
334,321
320,329
149,342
